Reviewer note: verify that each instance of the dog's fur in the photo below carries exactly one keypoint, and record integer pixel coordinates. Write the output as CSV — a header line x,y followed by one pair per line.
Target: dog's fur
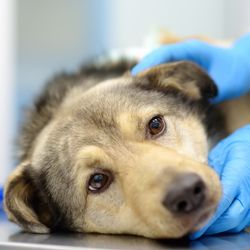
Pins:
x,y
97,119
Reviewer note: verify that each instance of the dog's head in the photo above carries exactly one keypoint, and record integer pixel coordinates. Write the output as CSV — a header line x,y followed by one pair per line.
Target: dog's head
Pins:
x,y
126,156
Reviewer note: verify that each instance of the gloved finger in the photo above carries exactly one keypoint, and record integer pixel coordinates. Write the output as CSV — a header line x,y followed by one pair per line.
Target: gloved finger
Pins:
x,y
233,147
230,181
226,87
245,201
195,51
243,43
244,224
201,232
1,197
218,155
229,220
230,155
215,162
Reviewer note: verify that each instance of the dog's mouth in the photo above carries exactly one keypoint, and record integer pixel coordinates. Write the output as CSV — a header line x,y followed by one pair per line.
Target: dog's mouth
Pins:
x,y
202,218
194,221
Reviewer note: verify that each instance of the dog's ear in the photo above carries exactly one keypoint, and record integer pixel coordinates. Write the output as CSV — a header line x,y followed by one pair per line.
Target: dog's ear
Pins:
x,y
185,77
23,202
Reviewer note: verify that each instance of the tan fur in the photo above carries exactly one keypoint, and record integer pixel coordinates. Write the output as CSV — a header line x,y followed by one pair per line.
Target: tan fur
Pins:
x,y
105,127
124,210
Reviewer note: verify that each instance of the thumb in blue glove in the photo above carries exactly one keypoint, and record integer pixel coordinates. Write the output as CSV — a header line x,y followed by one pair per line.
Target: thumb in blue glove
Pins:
x,y
230,159
1,198
228,67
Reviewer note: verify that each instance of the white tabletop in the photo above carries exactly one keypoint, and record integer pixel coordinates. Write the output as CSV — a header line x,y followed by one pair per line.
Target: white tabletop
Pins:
x,y
11,237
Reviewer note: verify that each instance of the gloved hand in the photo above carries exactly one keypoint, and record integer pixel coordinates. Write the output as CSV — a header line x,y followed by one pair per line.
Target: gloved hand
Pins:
x,y
231,160
1,198
228,67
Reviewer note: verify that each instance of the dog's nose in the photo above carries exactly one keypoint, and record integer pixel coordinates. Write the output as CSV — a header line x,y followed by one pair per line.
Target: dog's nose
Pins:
x,y
185,194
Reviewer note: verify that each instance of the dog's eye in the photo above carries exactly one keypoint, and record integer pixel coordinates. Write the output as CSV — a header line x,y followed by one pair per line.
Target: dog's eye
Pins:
x,y
99,181
156,126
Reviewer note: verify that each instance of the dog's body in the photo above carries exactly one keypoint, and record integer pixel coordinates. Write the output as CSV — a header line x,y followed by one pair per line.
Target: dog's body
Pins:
x,y
101,152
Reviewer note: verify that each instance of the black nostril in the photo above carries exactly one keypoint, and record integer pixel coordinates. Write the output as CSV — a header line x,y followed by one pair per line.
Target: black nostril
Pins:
x,y
185,194
197,190
182,206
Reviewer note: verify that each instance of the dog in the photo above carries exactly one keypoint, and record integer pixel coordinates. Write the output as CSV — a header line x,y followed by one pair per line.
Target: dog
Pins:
x,y
106,152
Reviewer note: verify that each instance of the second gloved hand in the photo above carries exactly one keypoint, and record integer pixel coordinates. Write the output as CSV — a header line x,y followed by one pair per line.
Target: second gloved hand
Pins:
x,y
228,67
231,160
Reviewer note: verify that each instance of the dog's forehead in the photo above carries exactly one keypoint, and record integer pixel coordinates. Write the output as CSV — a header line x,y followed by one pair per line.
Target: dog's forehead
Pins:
x,y
108,99
115,106
108,113
96,116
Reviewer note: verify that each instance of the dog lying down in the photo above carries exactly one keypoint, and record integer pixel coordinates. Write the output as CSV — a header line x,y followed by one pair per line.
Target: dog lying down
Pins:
x,y
103,151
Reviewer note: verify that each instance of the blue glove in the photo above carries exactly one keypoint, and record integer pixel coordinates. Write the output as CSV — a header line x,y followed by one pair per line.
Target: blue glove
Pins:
x,y
1,198
228,67
231,160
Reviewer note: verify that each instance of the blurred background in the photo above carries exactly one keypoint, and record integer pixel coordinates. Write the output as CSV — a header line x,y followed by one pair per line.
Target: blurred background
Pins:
x,y
42,37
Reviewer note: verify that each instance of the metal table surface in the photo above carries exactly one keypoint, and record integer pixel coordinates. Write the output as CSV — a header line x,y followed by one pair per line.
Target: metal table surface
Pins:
x,y
11,237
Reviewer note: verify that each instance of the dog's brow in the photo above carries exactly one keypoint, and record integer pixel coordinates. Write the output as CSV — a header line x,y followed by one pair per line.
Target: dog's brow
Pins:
x,y
130,123
92,155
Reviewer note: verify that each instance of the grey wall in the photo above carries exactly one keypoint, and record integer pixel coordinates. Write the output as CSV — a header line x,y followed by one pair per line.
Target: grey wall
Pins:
x,y
133,20
6,88
237,17
55,35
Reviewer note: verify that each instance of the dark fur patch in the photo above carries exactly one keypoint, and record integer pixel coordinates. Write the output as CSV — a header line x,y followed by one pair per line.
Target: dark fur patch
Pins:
x,y
9,195
185,74
44,206
35,198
